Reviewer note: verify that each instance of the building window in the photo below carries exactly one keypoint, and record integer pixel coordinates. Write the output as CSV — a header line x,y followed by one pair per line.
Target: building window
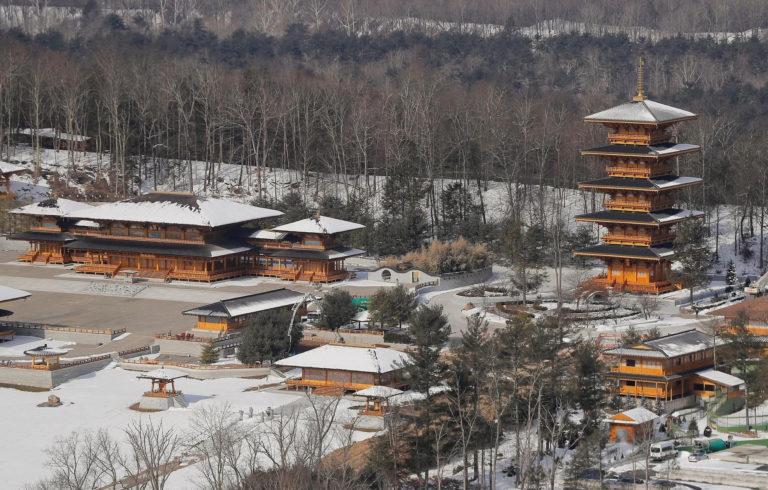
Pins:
x,y
698,386
386,275
631,362
629,383
709,387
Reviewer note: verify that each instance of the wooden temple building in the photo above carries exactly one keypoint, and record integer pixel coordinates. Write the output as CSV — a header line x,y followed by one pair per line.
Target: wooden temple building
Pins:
x,y
234,313
333,369
671,367
6,171
305,250
49,231
640,188
181,236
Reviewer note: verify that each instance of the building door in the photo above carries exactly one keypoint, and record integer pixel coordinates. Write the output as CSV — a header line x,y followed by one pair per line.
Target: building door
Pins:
x,y
415,276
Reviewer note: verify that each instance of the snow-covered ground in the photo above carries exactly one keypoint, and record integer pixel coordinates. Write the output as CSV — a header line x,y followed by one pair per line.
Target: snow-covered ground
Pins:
x,y
102,400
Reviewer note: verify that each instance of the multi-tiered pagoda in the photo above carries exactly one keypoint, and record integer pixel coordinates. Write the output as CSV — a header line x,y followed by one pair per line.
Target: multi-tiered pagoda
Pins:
x,y
641,192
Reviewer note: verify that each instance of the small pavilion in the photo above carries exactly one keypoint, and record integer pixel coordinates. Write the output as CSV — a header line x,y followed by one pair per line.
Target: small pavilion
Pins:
x,y
163,394
631,425
377,399
44,357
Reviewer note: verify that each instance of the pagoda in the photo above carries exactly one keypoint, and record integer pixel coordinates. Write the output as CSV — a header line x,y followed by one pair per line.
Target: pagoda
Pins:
x,y
640,193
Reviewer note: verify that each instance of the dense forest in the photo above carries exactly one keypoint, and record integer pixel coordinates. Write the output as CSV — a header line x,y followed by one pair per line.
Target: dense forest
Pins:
x,y
414,106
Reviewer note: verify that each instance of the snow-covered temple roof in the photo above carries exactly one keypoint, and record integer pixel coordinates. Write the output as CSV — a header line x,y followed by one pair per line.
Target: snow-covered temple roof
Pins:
x,y
163,373
364,360
176,209
378,391
672,345
10,294
641,112
246,305
323,225
51,207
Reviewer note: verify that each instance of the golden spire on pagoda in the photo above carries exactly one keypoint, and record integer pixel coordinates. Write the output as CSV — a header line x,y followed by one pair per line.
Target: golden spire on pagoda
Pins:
x,y
640,96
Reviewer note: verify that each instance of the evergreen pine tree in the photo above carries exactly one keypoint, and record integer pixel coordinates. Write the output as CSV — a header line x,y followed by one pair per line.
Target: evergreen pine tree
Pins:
x,y
730,274
337,309
209,354
692,250
390,307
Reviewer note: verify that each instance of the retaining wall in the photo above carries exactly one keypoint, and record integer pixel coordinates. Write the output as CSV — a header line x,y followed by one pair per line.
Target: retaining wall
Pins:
x,y
65,334
40,378
208,372
431,282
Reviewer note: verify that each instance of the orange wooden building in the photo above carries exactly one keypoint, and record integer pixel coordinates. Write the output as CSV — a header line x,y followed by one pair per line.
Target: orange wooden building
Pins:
x,y
631,425
305,250
671,367
50,231
640,188
234,313
755,311
180,236
337,368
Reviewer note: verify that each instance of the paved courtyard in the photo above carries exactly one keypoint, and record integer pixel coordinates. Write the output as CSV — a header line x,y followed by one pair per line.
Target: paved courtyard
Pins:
x,y
63,297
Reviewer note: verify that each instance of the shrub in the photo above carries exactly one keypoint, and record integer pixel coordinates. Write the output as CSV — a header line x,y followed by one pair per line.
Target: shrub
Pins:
x,y
443,257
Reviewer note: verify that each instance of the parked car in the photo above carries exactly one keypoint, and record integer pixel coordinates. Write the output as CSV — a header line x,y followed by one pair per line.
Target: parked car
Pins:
x,y
698,456
663,450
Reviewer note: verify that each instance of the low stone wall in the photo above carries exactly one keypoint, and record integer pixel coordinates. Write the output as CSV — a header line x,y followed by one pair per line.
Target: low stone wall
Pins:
x,y
432,282
40,378
180,347
194,347
87,336
201,372
719,477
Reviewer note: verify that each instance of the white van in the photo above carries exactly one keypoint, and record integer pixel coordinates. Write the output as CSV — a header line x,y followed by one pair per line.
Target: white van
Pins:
x,y
663,450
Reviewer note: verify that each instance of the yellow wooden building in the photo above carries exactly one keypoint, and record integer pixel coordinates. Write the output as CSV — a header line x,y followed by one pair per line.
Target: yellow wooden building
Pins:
x,y
235,313
336,368
671,367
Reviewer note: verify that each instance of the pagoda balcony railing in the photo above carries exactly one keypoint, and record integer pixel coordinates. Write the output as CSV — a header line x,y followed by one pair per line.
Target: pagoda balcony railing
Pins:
x,y
636,172
621,239
624,205
621,171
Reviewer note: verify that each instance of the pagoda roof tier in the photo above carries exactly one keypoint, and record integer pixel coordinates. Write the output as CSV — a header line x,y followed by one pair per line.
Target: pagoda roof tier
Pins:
x,y
206,250
655,218
172,208
655,184
641,112
661,150
627,252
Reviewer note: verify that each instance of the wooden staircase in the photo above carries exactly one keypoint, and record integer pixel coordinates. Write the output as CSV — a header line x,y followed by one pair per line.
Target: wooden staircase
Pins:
x,y
30,256
108,270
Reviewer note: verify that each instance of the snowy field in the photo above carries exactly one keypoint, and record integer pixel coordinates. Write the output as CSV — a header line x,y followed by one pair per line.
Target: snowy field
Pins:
x,y
102,400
